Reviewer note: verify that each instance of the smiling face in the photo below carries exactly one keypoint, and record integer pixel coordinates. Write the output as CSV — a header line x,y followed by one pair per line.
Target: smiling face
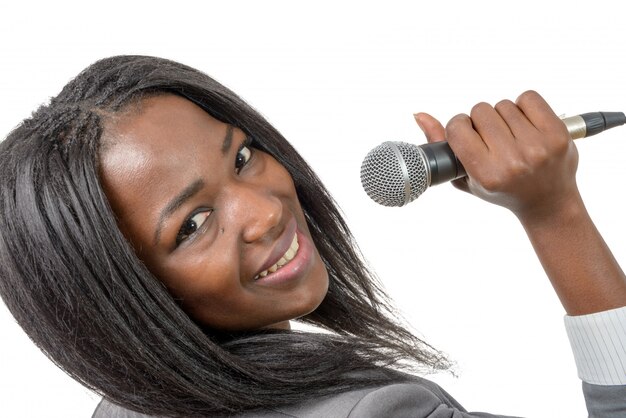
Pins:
x,y
218,222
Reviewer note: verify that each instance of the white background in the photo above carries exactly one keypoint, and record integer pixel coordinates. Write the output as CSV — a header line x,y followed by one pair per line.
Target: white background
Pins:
x,y
337,78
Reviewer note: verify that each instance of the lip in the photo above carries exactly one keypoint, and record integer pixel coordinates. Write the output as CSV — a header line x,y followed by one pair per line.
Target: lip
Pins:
x,y
281,246
296,267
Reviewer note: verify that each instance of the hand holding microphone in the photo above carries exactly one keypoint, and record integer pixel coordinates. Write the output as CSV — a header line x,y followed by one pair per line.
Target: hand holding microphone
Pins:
x,y
500,148
520,156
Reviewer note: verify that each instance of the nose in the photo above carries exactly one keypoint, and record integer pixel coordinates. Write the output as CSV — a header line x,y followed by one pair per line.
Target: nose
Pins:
x,y
257,211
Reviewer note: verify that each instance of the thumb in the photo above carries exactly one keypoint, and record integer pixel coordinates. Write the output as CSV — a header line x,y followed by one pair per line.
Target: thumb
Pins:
x,y
432,128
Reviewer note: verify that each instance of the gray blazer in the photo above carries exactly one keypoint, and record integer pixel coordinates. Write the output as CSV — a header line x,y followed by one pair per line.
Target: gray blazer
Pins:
x,y
420,398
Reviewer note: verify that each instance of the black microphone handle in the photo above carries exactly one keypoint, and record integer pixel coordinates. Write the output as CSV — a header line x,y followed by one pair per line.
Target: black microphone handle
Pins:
x,y
444,166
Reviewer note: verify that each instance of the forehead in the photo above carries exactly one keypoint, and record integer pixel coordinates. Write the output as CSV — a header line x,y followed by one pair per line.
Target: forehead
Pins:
x,y
161,122
156,150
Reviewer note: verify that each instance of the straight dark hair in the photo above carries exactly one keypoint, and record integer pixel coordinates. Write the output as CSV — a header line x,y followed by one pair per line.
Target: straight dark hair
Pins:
x,y
74,284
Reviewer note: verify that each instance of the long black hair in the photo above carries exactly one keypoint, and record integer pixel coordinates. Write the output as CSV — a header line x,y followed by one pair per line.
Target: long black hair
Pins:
x,y
74,284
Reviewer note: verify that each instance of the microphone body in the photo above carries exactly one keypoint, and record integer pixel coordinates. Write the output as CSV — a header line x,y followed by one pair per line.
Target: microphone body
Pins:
x,y
396,173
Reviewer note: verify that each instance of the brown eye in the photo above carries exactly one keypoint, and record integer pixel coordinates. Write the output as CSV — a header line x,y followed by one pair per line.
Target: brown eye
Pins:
x,y
243,156
192,224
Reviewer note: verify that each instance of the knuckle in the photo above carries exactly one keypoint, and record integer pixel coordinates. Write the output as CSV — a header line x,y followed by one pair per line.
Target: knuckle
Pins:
x,y
561,145
561,133
537,154
455,124
491,183
501,178
517,168
479,109
504,104
527,97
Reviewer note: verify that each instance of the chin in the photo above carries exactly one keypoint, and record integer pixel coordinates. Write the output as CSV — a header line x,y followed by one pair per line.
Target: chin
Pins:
x,y
313,300
308,301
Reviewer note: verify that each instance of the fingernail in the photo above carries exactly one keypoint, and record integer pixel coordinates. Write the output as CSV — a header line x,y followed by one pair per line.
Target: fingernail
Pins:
x,y
416,116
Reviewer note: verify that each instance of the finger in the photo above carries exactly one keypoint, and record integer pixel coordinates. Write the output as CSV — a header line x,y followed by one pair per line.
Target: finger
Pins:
x,y
551,137
518,123
493,130
432,128
462,184
466,143
539,112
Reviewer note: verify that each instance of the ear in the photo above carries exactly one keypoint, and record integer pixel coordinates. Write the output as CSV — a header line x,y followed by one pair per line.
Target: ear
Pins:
x,y
432,128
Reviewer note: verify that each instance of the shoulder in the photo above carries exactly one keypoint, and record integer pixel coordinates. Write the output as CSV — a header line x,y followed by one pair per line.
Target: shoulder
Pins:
x,y
106,409
412,399
415,398
395,400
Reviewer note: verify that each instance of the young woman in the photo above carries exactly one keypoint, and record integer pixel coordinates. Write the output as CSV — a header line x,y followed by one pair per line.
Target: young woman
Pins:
x,y
157,235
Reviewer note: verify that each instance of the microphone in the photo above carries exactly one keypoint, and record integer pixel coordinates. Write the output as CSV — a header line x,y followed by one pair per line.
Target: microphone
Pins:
x,y
397,173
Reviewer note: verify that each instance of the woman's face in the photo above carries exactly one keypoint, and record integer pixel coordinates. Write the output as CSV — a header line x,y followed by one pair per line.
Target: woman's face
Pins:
x,y
215,220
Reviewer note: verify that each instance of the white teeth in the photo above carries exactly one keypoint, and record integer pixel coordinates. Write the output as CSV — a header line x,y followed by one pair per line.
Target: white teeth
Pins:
x,y
286,258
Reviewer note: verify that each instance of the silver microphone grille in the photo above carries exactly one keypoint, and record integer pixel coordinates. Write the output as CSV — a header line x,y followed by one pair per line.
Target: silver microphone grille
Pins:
x,y
395,173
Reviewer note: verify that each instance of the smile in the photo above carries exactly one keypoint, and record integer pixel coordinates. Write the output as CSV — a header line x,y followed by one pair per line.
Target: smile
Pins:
x,y
286,258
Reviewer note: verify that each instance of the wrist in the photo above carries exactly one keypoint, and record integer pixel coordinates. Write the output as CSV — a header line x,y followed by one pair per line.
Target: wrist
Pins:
x,y
580,266
564,212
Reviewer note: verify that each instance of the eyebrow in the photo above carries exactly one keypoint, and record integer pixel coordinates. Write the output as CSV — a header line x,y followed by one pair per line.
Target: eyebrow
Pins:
x,y
189,191
228,140
176,203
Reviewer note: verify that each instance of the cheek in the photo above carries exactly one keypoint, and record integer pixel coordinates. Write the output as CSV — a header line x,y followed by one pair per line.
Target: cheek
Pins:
x,y
201,282
277,175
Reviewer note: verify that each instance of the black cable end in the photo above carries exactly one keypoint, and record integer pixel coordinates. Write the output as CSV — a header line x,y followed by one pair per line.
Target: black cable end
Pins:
x,y
600,121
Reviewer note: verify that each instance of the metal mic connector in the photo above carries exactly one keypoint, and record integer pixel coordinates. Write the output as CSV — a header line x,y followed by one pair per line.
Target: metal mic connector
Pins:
x,y
588,124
